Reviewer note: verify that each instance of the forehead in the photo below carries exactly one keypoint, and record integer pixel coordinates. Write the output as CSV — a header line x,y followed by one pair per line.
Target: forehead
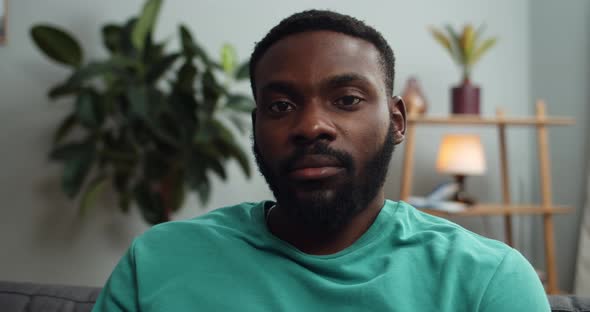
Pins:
x,y
309,57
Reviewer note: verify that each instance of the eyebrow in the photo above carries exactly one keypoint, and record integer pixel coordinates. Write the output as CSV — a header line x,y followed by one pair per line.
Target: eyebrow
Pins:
x,y
280,87
344,79
335,81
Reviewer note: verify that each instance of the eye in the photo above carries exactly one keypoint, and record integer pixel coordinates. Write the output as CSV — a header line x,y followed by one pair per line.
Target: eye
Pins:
x,y
281,107
348,101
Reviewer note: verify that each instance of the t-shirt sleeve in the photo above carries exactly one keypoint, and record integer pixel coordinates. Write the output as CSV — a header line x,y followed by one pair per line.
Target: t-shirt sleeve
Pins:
x,y
120,291
515,286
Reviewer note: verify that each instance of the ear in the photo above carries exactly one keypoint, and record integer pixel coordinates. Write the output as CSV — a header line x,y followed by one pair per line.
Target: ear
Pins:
x,y
397,109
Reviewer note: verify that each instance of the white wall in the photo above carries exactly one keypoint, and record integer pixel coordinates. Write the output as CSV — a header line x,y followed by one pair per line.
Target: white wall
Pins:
x,y
560,67
41,237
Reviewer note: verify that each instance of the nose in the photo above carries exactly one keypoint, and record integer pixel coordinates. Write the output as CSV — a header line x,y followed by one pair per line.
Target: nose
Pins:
x,y
313,123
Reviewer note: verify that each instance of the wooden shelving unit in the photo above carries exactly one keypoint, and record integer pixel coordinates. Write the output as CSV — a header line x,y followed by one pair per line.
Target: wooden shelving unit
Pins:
x,y
506,209
500,210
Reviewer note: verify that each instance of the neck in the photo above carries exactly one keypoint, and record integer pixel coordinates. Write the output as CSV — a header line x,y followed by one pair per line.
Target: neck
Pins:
x,y
324,243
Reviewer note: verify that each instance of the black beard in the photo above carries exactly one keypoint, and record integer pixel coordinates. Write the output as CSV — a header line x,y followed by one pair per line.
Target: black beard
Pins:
x,y
328,214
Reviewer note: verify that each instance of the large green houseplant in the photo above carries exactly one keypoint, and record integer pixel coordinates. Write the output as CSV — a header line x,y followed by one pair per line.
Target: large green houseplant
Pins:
x,y
151,122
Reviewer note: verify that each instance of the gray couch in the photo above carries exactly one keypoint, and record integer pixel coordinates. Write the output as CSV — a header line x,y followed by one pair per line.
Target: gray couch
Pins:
x,y
29,297
25,297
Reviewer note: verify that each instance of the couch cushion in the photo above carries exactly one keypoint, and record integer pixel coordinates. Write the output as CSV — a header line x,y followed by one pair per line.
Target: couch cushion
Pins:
x,y
29,297
569,304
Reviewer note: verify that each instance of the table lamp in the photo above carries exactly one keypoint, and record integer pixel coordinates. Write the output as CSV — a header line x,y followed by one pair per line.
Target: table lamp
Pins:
x,y
461,155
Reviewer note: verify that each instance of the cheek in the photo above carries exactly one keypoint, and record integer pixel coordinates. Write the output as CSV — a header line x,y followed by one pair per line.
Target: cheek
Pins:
x,y
370,135
268,142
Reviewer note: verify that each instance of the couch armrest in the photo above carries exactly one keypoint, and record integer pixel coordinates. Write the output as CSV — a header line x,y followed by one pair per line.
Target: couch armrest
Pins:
x,y
569,303
31,297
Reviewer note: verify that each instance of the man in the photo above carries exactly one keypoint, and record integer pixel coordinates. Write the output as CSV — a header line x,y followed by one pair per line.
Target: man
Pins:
x,y
325,127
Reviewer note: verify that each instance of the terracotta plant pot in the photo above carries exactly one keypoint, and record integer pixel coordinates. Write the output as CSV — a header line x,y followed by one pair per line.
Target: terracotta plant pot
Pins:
x,y
414,98
465,99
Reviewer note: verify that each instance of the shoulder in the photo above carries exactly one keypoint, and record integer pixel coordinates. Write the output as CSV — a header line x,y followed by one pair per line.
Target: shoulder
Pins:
x,y
514,286
488,271
222,222
451,250
446,235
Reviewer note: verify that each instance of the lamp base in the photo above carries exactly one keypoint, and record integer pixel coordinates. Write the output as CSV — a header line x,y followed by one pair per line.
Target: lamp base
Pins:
x,y
461,196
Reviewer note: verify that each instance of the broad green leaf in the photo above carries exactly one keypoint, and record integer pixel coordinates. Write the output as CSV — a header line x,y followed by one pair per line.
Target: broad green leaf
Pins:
x,y
243,71
138,98
170,124
221,131
120,62
486,45
212,91
209,158
112,36
173,189
182,107
242,158
217,167
145,23
155,166
228,58
127,46
200,52
186,39
178,195
153,52
62,90
198,181
186,78
88,109
240,103
62,152
195,172
204,191
150,203
95,187
209,150
65,128
90,71
159,68
206,131
77,159
232,149
57,44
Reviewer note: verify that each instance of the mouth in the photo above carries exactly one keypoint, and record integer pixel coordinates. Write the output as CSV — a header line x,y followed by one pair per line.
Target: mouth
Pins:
x,y
315,167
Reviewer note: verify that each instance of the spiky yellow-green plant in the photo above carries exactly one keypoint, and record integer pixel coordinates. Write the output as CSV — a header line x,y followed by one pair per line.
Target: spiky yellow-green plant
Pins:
x,y
465,48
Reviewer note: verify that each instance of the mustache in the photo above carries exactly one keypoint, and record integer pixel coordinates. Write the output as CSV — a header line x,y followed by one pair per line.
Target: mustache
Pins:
x,y
344,158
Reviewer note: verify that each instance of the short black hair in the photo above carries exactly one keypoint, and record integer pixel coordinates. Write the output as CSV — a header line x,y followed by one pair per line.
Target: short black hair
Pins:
x,y
313,20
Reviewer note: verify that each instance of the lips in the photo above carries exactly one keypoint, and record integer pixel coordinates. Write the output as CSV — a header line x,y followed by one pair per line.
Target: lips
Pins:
x,y
315,167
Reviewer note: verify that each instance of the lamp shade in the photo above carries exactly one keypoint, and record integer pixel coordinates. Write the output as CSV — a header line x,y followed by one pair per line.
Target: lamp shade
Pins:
x,y
461,154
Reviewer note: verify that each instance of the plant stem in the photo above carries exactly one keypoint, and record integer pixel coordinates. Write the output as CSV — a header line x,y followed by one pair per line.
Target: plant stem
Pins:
x,y
466,74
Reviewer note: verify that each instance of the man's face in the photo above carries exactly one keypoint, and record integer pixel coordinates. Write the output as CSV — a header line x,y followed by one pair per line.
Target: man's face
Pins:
x,y
324,129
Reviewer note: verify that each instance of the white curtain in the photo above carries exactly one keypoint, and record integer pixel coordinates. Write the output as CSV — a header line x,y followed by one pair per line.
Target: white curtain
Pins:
x,y
582,286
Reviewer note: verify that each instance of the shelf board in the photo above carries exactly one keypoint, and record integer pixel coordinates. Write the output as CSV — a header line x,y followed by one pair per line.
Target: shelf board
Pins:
x,y
483,121
500,210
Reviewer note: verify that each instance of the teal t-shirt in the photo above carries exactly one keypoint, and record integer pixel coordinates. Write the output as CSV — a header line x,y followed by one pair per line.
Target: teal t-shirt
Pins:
x,y
227,260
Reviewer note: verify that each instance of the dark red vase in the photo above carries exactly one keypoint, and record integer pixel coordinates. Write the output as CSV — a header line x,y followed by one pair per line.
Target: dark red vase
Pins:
x,y
465,99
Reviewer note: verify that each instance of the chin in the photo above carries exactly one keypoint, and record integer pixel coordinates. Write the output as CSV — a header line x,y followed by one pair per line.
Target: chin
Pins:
x,y
320,210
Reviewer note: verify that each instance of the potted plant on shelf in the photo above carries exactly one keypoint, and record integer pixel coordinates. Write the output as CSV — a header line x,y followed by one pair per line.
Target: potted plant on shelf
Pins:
x,y
151,122
466,49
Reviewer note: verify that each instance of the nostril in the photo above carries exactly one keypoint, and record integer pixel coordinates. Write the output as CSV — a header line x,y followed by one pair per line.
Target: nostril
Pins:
x,y
301,139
